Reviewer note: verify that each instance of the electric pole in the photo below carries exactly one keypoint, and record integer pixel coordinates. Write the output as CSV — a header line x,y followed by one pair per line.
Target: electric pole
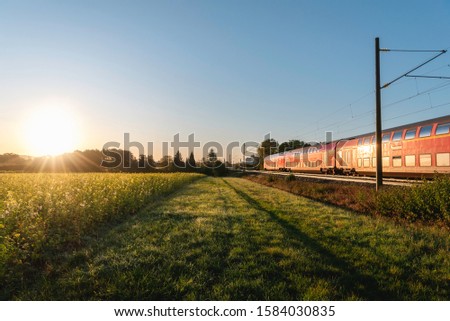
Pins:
x,y
379,172
378,129
245,160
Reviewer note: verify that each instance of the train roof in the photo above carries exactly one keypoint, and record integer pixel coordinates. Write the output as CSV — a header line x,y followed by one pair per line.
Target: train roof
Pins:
x,y
442,119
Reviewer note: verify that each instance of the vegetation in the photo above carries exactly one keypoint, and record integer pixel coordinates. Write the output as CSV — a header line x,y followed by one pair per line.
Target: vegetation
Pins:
x,y
292,144
212,166
289,178
231,239
42,214
428,202
111,160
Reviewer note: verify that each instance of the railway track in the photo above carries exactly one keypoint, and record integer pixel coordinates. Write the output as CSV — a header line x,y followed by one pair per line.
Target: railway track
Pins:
x,y
349,179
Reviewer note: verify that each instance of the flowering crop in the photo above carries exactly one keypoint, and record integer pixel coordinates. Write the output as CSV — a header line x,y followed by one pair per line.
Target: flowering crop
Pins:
x,y
44,213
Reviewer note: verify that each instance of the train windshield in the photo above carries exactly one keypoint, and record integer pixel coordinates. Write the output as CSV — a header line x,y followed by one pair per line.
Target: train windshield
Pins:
x,y
443,129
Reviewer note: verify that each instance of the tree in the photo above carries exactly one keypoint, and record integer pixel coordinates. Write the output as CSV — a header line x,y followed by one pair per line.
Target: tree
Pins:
x,y
151,162
165,163
267,147
178,161
213,166
212,156
142,163
291,144
190,163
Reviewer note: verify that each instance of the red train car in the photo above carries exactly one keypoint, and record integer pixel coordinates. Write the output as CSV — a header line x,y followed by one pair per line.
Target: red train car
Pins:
x,y
413,150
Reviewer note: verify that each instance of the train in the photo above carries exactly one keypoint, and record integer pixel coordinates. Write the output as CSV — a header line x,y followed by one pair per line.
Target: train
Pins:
x,y
420,149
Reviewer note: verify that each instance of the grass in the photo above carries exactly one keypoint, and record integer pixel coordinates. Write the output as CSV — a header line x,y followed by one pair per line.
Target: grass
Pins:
x,y
360,198
231,239
428,202
44,214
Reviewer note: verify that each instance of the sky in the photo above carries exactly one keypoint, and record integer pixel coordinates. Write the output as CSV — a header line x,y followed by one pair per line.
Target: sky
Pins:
x,y
224,71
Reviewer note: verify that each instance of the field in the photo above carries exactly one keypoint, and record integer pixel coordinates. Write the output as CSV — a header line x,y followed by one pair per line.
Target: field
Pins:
x,y
204,238
44,214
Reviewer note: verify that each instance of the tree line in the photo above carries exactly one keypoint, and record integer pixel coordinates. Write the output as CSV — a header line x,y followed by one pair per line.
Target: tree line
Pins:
x,y
115,160
118,160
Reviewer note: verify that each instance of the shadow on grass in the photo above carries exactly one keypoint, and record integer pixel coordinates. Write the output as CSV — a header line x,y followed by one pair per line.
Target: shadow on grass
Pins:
x,y
351,279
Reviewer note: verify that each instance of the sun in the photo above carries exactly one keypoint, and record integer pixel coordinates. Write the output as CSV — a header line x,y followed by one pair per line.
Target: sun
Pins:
x,y
51,131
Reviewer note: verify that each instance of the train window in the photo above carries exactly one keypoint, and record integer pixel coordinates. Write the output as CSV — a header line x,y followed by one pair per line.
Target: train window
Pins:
x,y
359,162
443,159
360,141
410,134
397,136
425,160
386,161
443,129
366,162
410,160
367,141
386,138
374,162
425,131
397,161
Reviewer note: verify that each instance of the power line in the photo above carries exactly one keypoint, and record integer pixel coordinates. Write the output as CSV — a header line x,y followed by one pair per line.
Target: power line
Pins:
x,y
441,52
330,115
410,50
419,111
416,95
362,115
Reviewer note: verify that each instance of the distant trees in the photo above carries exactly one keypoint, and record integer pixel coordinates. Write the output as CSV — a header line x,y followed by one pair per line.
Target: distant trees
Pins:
x,y
78,161
267,148
178,161
191,164
13,162
118,160
151,161
291,144
106,160
270,146
212,165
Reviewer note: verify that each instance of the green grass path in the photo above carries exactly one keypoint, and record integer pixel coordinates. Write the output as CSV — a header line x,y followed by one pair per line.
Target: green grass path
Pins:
x,y
231,239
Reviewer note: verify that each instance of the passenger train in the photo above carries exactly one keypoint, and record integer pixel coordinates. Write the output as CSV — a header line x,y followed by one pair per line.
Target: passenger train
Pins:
x,y
414,150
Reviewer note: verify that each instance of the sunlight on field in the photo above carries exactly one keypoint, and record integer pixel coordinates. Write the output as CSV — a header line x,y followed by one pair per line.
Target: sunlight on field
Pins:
x,y
43,214
214,239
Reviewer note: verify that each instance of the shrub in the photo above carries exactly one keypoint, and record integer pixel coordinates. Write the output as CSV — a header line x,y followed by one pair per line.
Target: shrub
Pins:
x,y
290,178
429,201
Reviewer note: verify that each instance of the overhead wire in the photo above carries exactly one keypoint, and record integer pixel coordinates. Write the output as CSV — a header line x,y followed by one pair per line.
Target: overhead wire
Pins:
x,y
353,117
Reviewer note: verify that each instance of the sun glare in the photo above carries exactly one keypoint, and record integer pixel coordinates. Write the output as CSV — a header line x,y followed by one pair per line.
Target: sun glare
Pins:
x,y
51,131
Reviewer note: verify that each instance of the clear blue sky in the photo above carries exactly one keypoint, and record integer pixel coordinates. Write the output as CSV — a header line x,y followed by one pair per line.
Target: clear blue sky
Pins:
x,y
224,70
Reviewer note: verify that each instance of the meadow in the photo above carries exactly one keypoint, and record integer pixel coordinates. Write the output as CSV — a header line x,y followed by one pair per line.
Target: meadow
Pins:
x,y
231,239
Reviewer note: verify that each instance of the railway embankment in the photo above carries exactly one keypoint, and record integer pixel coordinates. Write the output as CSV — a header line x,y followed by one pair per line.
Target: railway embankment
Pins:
x,y
426,203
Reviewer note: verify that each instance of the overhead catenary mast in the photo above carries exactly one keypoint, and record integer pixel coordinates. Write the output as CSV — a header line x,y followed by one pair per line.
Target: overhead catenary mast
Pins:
x,y
378,87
